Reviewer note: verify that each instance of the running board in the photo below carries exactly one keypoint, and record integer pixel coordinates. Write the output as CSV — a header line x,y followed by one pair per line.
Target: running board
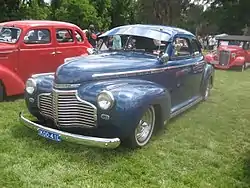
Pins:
x,y
177,112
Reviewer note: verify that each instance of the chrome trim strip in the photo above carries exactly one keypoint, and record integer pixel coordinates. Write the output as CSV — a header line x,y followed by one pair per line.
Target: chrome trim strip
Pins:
x,y
74,138
65,86
7,52
42,74
38,98
85,102
146,71
185,107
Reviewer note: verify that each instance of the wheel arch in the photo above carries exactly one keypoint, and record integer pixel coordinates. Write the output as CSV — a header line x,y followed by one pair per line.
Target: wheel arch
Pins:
x,y
9,78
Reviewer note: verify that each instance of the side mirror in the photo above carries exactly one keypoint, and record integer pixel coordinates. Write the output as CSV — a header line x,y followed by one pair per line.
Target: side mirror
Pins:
x,y
164,58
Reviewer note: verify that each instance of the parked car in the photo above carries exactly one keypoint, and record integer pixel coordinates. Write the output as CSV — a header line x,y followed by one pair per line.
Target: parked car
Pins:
x,y
120,93
31,47
232,51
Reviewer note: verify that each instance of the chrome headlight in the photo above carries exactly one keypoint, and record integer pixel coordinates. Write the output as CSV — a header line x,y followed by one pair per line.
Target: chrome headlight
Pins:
x,y
30,86
105,100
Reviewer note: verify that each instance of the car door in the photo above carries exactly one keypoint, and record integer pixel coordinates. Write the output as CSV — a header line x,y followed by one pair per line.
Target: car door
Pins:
x,y
67,45
197,68
36,52
181,63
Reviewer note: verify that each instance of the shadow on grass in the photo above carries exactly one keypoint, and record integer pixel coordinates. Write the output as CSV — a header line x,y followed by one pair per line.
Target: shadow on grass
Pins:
x,y
172,121
233,69
13,98
35,143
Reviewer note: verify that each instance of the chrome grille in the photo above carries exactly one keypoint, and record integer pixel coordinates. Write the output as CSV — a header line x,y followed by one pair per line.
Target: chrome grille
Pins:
x,y
224,57
67,110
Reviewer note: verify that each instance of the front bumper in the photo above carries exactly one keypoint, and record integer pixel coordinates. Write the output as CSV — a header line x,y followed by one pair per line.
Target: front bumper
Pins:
x,y
74,138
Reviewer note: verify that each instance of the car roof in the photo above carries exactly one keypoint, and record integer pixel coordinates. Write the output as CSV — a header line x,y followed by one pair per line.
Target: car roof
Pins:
x,y
234,37
33,23
159,32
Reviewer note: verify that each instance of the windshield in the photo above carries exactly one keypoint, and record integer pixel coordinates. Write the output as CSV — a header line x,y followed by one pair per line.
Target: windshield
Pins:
x,y
231,43
9,34
133,43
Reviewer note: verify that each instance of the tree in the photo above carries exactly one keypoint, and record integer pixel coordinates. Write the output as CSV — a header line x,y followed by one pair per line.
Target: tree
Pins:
x,y
79,12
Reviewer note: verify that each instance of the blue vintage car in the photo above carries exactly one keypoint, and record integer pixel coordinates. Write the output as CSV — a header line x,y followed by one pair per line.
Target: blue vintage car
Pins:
x,y
139,77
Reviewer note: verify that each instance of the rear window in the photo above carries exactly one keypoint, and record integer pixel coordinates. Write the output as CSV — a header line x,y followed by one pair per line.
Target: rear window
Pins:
x,y
64,35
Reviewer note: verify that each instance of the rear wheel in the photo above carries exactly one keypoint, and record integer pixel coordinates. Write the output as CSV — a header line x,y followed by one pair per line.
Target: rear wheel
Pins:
x,y
143,131
2,92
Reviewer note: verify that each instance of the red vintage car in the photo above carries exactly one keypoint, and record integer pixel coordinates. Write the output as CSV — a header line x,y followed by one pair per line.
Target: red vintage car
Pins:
x,y
232,51
31,47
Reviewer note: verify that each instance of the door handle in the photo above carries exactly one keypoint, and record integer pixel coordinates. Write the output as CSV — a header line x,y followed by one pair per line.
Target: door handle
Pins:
x,y
58,52
53,53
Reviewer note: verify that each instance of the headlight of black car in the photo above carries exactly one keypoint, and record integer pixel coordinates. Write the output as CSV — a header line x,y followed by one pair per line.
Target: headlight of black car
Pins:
x,y
105,100
31,86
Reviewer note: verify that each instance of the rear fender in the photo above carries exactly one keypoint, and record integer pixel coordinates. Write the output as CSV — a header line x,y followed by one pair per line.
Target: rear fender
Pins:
x,y
132,98
208,73
13,84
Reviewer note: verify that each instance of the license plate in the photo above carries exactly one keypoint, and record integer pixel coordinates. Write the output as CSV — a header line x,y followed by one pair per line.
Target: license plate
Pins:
x,y
49,135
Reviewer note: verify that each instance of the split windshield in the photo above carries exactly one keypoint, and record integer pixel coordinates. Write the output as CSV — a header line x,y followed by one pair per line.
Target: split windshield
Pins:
x,y
231,43
9,34
132,43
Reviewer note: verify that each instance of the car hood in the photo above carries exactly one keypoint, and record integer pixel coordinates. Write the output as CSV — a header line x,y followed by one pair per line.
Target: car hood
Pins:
x,y
83,69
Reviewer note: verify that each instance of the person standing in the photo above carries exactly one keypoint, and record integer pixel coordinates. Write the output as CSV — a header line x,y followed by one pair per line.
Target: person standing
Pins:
x,y
91,36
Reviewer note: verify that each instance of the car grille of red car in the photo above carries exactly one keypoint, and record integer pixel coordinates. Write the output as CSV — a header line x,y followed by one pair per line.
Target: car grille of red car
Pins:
x,y
67,110
224,58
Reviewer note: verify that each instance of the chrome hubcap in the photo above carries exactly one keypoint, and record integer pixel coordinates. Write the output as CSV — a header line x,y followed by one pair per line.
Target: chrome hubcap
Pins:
x,y
145,127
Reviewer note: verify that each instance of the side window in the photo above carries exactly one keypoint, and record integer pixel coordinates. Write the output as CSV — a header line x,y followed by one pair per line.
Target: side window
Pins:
x,y
196,46
64,35
79,37
182,47
38,36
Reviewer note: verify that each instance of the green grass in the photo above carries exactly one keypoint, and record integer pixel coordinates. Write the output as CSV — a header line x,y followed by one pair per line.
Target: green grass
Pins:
x,y
208,146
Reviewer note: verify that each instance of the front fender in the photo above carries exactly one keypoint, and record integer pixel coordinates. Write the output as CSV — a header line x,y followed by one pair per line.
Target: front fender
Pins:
x,y
13,84
238,61
44,85
132,98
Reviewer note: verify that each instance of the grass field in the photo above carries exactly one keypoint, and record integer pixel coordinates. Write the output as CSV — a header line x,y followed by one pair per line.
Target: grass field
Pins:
x,y
208,146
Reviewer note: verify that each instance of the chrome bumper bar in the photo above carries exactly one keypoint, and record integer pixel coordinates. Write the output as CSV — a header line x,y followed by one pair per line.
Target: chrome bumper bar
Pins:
x,y
74,138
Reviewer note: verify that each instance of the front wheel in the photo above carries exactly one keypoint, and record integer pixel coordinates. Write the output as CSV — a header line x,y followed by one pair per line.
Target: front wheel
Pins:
x,y
243,67
143,131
